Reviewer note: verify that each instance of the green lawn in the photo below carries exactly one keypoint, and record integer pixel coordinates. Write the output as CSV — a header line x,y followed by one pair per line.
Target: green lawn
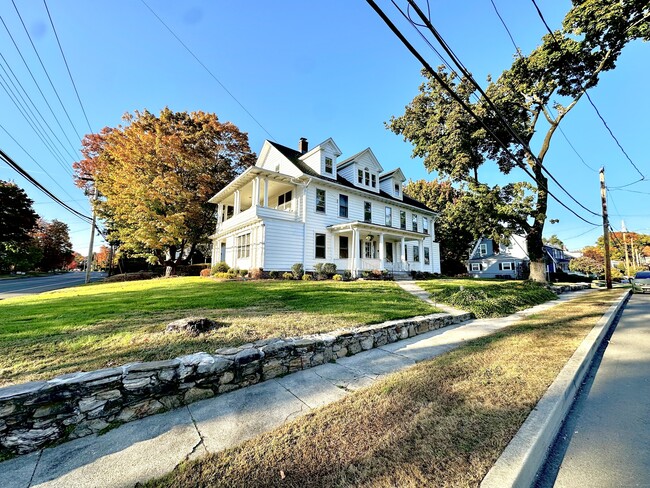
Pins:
x,y
102,325
487,298
442,422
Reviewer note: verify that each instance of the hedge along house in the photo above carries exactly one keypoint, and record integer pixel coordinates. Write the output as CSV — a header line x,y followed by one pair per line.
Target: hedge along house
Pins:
x,y
307,207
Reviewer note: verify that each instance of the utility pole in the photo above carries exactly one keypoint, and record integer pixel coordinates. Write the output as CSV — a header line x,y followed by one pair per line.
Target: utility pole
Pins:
x,y
603,198
635,258
627,259
89,259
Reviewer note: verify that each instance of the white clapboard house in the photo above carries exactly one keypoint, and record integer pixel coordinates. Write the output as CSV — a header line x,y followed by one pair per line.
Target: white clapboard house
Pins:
x,y
308,206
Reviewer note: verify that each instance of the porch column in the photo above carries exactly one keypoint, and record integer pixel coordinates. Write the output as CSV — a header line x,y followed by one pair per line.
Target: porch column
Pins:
x,y
237,202
266,192
421,244
382,251
402,253
256,192
355,253
219,213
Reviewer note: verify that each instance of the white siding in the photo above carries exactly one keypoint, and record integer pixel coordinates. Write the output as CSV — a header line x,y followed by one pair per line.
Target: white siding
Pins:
x,y
283,246
348,173
274,158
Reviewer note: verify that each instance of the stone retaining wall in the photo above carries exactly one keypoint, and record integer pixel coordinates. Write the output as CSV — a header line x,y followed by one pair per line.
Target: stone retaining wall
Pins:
x,y
33,415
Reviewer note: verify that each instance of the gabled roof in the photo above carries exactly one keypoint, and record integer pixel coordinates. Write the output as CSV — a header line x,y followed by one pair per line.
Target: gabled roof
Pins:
x,y
294,156
366,152
327,142
396,173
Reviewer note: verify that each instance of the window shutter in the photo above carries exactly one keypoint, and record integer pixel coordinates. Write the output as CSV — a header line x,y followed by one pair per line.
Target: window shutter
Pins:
x,y
500,266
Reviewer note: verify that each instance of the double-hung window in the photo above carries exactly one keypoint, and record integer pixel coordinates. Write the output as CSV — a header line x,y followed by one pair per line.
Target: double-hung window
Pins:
x,y
360,176
328,165
367,212
244,245
284,200
319,252
416,254
475,266
425,225
396,189
373,180
389,217
343,247
507,266
343,206
482,249
320,200
415,223
427,259
402,219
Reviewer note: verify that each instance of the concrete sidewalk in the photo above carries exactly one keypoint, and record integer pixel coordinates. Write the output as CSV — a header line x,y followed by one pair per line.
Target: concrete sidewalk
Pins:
x,y
153,446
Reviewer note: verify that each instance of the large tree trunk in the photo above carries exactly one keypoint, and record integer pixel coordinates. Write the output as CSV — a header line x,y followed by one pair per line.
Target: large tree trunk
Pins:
x,y
538,271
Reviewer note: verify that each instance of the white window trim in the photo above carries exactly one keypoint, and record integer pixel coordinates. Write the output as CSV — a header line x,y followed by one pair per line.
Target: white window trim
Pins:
x,y
323,234
475,266
482,249
324,211
510,266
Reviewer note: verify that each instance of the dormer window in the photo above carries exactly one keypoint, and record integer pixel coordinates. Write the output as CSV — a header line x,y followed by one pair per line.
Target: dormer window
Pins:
x,y
396,189
366,175
360,174
373,180
328,165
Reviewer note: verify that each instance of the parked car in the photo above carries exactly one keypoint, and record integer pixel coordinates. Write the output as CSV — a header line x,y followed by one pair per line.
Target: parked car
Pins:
x,y
641,282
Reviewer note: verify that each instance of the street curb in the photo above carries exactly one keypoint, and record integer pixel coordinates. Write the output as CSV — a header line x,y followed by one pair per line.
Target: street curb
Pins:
x,y
526,453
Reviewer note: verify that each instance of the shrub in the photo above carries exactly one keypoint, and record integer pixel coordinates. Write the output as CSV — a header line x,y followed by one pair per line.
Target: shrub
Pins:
x,y
224,276
306,277
319,274
337,277
256,273
329,269
274,275
233,272
142,275
243,272
221,267
298,270
347,275
287,276
190,269
205,272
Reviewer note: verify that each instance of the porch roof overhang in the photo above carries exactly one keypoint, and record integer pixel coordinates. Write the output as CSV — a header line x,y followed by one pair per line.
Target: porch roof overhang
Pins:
x,y
378,229
246,177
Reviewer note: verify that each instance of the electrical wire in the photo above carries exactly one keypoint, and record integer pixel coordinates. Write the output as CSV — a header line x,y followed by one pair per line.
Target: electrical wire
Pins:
x,y
15,166
602,119
74,85
206,68
36,83
47,74
496,111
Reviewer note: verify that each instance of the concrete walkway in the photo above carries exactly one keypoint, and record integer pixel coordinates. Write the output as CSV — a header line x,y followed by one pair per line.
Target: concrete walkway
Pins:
x,y
414,289
153,446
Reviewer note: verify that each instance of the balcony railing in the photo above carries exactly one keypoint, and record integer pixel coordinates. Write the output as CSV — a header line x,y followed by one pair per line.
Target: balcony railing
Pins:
x,y
256,212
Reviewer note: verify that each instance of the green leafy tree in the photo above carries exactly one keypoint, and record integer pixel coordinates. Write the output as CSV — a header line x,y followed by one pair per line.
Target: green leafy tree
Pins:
x,y
17,221
554,241
154,176
53,240
593,34
467,212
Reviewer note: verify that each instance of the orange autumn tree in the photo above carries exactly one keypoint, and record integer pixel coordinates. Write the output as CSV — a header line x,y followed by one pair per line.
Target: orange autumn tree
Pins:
x,y
154,175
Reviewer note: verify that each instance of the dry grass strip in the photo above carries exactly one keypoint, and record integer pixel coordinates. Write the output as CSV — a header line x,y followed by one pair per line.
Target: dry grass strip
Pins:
x,y
440,423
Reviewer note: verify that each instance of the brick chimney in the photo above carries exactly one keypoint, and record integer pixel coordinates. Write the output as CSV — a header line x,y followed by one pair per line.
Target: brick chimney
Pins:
x,y
303,145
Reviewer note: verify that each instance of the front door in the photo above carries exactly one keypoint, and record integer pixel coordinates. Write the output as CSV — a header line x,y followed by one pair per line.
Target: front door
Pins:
x,y
389,252
223,252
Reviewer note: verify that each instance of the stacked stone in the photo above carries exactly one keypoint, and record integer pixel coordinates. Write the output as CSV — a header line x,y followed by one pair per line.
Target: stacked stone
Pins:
x,y
33,415
559,289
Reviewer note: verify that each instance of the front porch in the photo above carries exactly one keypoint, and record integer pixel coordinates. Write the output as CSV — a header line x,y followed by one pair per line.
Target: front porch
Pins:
x,y
362,246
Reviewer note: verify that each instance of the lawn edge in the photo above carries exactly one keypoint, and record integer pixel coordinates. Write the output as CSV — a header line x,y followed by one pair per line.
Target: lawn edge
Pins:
x,y
526,453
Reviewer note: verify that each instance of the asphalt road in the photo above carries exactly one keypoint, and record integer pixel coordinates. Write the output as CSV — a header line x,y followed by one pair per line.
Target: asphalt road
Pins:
x,y
30,286
605,440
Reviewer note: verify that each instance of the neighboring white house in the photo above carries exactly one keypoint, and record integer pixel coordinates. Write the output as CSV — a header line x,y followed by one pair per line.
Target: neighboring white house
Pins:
x,y
308,207
487,259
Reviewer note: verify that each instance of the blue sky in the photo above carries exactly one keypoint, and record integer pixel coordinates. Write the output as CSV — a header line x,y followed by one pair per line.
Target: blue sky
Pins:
x,y
304,69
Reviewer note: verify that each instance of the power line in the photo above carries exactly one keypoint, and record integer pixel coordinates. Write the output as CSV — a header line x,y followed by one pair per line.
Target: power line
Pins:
x,y
31,101
7,159
33,159
583,233
518,52
455,96
36,83
56,92
206,68
602,119
12,96
74,85
496,111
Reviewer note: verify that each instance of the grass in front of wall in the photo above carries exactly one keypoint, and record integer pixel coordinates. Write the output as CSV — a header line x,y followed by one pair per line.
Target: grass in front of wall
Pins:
x,y
443,422
103,325
487,298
